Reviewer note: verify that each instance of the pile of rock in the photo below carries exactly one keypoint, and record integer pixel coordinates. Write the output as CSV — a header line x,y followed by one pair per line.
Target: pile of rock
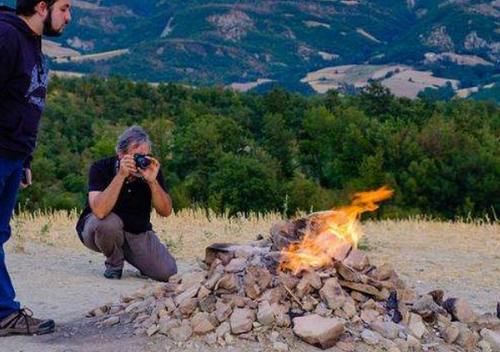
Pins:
x,y
238,292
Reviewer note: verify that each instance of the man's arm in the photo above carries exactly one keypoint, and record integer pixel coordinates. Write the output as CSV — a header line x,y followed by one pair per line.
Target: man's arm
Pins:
x,y
8,47
103,202
161,200
159,197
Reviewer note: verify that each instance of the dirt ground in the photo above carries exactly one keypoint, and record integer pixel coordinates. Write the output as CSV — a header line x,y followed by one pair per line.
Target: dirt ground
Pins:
x,y
62,280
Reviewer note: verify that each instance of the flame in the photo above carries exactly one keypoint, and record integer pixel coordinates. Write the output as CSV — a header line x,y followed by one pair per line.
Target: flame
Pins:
x,y
332,234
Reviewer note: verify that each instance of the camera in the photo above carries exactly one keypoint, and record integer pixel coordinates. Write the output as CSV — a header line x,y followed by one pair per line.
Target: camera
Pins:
x,y
141,161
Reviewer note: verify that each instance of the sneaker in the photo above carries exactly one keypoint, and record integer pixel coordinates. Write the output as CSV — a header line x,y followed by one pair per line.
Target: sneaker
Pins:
x,y
23,323
113,274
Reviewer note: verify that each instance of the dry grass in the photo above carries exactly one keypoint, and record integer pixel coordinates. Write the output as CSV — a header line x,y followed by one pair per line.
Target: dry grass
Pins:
x,y
461,257
187,232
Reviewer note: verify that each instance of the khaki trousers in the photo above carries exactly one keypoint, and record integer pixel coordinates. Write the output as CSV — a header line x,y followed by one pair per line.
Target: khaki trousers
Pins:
x,y
144,250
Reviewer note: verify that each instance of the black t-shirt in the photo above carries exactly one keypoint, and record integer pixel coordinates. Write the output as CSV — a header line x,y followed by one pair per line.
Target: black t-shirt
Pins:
x,y
133,205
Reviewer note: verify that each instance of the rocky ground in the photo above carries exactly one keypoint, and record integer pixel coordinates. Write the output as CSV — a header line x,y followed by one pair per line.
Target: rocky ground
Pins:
x,y
65,283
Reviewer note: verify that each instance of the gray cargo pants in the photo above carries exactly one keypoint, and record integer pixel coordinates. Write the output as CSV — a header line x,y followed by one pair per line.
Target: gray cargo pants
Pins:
x,y
144,250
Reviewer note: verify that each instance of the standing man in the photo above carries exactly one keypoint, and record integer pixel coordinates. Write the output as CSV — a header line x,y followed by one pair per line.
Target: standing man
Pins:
x,y
23,87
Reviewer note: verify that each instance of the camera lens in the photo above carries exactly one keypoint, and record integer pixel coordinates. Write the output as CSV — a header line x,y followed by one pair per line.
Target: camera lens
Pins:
x,y
141,161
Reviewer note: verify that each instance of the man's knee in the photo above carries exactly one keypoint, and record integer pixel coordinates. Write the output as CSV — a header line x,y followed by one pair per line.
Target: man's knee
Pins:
x,y
107,231
164,272
110,225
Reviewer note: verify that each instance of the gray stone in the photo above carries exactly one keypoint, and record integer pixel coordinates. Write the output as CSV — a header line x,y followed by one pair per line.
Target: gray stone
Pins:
x,y
191,279
169,304
208,304
387,329
370,337
425,306
280,346
309,303
357,260
466,338
349,308
111,321
222,311
281,316
332,294
222,329
484,346
188,306
450,333
413,343
189,293
416,326
492,337
153,329
181,333
166,324
317,330
201,324
203,292
214,277
265,314
256,281
228,282
369,315
236,265
402,345
460,310
310,280
341,251
241,320
382,272
210,339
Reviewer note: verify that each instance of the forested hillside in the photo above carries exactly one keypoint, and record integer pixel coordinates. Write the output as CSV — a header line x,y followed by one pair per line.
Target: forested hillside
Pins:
x,y
226,41
275,152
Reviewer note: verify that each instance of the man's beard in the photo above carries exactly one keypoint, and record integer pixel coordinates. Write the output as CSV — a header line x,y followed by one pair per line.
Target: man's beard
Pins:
x,y
48,29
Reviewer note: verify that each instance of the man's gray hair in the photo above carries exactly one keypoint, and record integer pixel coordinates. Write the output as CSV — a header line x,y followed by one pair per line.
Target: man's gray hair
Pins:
x,y
132,135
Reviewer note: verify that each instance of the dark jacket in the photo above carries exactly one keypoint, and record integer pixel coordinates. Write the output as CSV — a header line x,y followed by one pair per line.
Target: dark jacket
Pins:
x,y
23,86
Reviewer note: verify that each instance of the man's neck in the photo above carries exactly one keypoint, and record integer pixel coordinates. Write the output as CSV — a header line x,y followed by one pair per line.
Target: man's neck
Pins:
x,y
34,23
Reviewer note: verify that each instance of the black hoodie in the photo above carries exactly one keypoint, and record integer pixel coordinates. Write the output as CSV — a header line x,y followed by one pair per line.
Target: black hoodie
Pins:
x,y
23,86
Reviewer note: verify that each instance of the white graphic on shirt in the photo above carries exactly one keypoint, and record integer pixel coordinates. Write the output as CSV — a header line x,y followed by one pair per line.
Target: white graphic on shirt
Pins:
x,y
38,86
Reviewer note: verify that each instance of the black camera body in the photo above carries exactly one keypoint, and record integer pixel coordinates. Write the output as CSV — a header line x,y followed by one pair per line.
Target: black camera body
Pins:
x,y
141,161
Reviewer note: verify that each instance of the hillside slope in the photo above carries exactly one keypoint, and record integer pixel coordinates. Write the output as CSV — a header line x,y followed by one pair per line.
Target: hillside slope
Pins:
x,y
225,41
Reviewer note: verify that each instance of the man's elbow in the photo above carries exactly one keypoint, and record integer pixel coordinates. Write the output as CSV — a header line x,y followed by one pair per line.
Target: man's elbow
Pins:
x,y
164,212
99,214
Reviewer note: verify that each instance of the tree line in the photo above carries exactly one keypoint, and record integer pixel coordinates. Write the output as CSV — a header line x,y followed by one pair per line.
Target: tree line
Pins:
x,y
278,151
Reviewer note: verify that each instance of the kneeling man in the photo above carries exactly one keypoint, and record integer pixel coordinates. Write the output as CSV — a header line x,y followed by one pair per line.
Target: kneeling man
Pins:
x,y
116,220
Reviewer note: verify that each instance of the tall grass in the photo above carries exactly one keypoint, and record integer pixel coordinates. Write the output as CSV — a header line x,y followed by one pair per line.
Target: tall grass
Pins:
x,y
189,231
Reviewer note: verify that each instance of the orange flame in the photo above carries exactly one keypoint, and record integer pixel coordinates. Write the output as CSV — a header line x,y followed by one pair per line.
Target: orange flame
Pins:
x,y
331,234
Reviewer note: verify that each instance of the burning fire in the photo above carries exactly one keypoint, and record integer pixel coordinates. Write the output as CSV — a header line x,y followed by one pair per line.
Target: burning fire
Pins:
x,y
331,233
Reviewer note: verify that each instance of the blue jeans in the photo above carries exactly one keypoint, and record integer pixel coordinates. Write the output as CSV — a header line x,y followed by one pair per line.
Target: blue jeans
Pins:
x,y
10,177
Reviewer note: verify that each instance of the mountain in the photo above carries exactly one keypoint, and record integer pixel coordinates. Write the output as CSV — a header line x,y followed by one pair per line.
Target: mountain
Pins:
x,y
227,41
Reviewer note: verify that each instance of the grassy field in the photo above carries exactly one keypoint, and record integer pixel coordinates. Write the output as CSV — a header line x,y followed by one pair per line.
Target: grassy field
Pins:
x,y
188,232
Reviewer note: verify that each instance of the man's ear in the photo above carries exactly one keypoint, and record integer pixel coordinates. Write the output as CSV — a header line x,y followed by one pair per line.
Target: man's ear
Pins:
x,y
42,8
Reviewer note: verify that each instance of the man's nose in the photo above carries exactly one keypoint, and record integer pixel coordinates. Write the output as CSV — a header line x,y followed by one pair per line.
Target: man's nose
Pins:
x,y
68,17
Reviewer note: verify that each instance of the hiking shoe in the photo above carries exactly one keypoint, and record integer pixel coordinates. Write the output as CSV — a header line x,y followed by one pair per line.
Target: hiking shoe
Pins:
x,y
113,274
23,323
